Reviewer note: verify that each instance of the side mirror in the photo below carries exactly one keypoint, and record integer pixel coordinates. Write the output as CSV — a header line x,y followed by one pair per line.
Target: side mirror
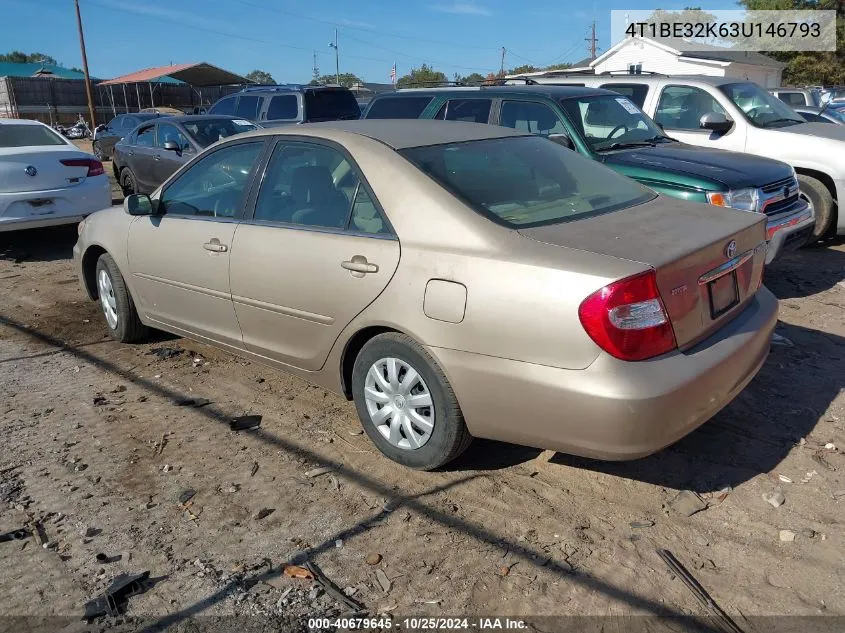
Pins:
x,y
138,204
172,146
101,127
716,122
561,139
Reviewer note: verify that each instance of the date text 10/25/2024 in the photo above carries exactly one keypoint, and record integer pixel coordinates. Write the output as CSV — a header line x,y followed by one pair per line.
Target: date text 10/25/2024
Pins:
x,y
418,624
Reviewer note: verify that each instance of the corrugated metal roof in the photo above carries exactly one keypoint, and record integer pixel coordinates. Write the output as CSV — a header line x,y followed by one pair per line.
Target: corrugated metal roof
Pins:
x,y
14,69
198,74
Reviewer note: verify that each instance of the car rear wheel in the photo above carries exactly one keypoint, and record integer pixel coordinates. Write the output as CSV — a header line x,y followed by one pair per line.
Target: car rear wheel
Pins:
x,y
405,403
128,182
117,305
819,198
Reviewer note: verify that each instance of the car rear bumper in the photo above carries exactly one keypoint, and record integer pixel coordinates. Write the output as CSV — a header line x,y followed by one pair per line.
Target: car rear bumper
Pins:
x,y
789,231
614,409
51,207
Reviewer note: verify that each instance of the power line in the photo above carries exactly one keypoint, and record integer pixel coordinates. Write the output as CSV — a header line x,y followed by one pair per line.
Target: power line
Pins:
x,y
416,57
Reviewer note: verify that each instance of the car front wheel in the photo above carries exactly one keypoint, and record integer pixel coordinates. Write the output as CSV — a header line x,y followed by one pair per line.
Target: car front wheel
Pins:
x,y
820,200
118,308
406,404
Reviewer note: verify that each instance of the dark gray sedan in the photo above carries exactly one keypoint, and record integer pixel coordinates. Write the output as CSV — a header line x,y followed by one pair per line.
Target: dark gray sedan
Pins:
x,y
148,155
106,136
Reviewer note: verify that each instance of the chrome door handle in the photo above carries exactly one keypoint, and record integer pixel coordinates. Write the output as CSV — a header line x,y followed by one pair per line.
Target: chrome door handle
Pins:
x,y
157,157
215,246
359,264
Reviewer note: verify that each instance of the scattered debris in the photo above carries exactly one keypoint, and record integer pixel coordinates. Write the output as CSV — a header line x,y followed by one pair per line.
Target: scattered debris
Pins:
x,y
686,503
41,534
722,619
119,389
774,499
391,504
322,470
373,559
186,496
100,400
787,536
806,478
338,543
782,341
356,432
333,590
164,353
641,524
166,468
808,532
113,600
263,513
785,479
254,469
245,423
14,535
838,493
104,558
830,446
819,459
383,580
191,402
295,571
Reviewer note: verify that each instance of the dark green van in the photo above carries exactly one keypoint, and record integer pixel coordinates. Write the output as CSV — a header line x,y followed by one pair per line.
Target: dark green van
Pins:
x,y
609,128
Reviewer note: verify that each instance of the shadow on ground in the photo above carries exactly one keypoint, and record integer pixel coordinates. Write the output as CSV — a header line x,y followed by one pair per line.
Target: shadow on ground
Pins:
x,y
807,271
38,245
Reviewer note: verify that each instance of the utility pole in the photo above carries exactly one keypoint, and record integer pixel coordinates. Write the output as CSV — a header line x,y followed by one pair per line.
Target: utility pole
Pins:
x,y
85,68
502,67
316,70
336,59
592,40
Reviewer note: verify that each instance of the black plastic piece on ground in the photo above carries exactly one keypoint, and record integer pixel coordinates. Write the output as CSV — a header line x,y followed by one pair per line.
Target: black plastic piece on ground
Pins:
x,y
245,423
113,601
14,535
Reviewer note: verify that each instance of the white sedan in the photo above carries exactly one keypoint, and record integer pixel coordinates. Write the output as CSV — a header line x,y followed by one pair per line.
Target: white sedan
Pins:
x,y
45,180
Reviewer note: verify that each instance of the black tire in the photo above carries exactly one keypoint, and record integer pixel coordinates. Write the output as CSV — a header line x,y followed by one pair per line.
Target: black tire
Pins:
x,y
128,182
98,151
128,328
450,436
819,196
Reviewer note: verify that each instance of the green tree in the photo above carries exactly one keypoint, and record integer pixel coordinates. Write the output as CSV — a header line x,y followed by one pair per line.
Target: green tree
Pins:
x,y
346,79
20,57
806,67
687,14
260,77
520,70
562,66
424,75
473,78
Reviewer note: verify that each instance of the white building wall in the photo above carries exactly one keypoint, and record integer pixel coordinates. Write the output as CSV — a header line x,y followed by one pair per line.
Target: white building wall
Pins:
x,y
655,60
766,77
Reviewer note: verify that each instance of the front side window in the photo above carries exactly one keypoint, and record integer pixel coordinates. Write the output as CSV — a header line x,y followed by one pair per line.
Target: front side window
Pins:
x,y
526,181
307,185
609,122
398,107
208,131
213,186
792,98
472,110
168,132
145,136
681,107
283,107
224,106
527,116
759,107
330,104
635,92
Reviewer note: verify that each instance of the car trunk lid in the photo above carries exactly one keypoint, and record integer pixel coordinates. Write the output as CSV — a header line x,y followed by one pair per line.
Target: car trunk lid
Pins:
x,y
40,168
708,260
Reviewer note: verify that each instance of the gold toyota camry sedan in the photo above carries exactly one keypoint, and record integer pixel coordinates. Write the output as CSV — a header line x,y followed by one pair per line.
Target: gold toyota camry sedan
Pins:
x,y
455,280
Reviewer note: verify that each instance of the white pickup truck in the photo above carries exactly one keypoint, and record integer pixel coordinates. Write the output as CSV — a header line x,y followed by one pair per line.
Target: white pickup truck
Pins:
x,y
739,115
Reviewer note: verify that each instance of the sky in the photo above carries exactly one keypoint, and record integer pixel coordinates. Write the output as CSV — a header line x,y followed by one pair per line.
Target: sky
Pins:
x,y
281,36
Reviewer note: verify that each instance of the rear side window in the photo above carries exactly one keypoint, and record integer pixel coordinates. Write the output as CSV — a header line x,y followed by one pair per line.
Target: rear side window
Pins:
x,y
224,106
331,105
471,110
398,107
527,116
283,107
635,92
248,107
792,98
20,135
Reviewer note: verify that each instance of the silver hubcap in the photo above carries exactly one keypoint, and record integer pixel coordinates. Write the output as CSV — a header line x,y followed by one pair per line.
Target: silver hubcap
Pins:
x,y
107,299
399,403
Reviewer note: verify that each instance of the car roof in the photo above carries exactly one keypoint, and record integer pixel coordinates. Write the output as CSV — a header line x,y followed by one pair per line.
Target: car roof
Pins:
x,y
21,122
398,133
187,118
144,116
553,91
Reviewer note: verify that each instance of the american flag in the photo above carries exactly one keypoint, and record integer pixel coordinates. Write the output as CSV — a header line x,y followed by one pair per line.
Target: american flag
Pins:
x,y
393,74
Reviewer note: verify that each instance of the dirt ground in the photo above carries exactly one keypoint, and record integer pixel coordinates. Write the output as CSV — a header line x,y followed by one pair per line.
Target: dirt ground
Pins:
x,y
97,451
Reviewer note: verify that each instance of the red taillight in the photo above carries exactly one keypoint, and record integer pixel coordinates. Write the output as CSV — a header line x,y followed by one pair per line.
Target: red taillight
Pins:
x,y
95,167
627,318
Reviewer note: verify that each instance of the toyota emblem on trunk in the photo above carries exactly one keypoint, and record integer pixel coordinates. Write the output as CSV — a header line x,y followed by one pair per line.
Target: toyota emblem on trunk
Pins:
x,y
31,171
730,249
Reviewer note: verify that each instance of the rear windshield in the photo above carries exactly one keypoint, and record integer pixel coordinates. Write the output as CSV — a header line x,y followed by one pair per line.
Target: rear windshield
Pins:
x,y
19,135
330,105
526,181
398,107
208,131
